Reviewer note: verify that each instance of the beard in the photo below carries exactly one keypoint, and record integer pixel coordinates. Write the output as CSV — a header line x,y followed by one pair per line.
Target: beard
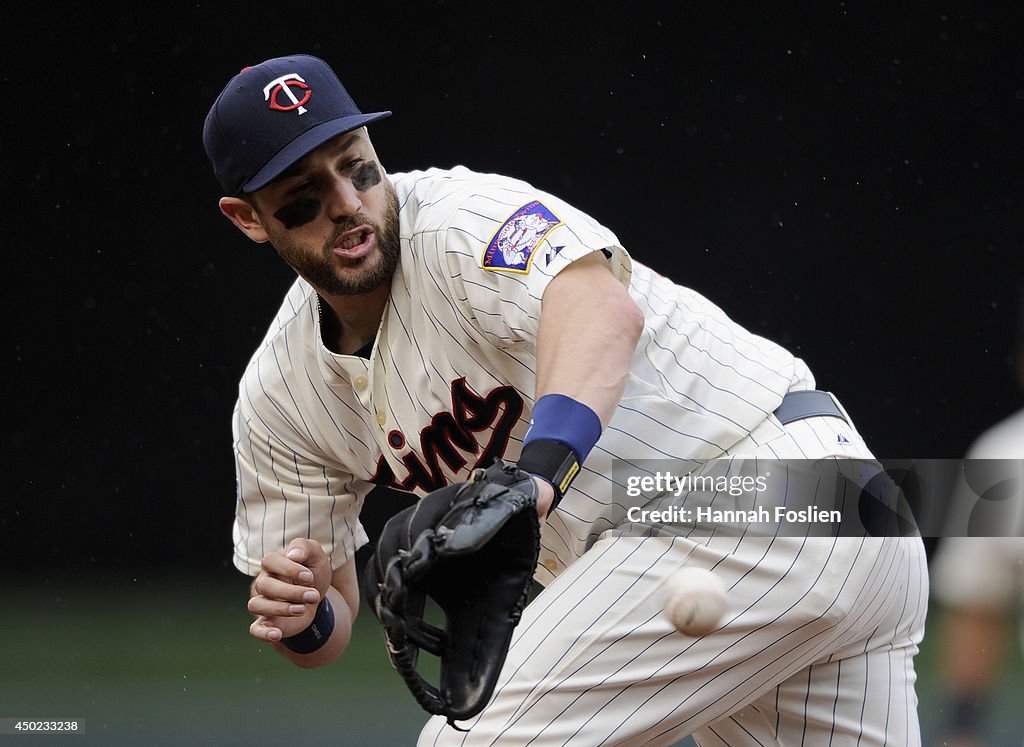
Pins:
x,y
321,269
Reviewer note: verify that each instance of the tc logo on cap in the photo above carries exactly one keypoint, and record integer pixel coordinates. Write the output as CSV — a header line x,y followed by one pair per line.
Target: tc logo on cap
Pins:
x,y
284,84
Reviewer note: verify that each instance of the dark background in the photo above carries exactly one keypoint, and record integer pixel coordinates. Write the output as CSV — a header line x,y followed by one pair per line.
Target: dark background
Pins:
x,y
842,177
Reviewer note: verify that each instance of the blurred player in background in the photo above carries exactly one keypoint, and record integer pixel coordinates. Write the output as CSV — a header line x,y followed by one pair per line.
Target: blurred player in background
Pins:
x,y
980,584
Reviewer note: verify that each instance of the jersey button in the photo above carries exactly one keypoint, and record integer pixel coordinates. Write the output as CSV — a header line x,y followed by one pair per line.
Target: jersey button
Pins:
x,y
551,564
382,417
360,383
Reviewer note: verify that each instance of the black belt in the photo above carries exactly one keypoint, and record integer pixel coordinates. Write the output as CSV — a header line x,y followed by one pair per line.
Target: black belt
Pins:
x,y
809,403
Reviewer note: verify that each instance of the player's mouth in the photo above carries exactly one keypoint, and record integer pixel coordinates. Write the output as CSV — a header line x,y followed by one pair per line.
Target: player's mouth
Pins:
x,y
354,244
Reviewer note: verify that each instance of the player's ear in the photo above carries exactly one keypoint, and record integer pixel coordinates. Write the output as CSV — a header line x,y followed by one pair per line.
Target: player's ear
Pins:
x,y
244,215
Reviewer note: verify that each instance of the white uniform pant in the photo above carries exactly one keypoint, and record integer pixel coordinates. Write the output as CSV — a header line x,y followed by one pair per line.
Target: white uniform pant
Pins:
x,y
816,648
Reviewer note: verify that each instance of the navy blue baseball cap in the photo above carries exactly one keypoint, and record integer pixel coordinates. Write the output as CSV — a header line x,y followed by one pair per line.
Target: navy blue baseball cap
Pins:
x,y
271,115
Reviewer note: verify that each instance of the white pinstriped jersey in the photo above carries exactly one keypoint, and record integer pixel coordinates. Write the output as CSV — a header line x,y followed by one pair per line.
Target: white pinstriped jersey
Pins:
x,y
818,644
450,382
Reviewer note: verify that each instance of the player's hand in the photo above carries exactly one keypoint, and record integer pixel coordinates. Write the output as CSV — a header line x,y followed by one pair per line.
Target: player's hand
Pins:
x,y
545,497
285,594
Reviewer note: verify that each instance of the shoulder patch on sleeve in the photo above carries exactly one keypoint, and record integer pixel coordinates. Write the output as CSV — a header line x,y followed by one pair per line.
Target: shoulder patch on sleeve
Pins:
x,y
512,247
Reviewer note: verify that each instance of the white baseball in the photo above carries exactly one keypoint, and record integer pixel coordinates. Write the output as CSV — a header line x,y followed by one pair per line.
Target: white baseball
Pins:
x,y
694,600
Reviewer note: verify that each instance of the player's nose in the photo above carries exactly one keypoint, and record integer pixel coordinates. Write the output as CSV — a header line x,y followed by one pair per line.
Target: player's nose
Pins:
x,y
342,200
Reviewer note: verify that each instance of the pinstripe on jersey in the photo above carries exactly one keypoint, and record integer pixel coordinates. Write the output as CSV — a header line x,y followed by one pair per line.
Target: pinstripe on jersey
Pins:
x,y
822,628
451,379
816,647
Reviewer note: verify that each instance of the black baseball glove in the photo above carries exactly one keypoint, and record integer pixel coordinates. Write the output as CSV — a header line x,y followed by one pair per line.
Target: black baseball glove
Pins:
x,y
472,548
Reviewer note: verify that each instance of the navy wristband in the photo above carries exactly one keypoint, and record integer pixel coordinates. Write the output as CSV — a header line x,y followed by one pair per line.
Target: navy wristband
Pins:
x,y
316,635
560,418
562,433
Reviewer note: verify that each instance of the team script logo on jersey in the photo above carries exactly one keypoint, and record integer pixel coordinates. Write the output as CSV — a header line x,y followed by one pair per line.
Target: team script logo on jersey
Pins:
x,y
273,90
512,248
478,427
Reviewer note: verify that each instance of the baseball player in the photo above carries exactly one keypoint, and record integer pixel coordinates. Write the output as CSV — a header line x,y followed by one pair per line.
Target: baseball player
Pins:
x,y
442,318
979,582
